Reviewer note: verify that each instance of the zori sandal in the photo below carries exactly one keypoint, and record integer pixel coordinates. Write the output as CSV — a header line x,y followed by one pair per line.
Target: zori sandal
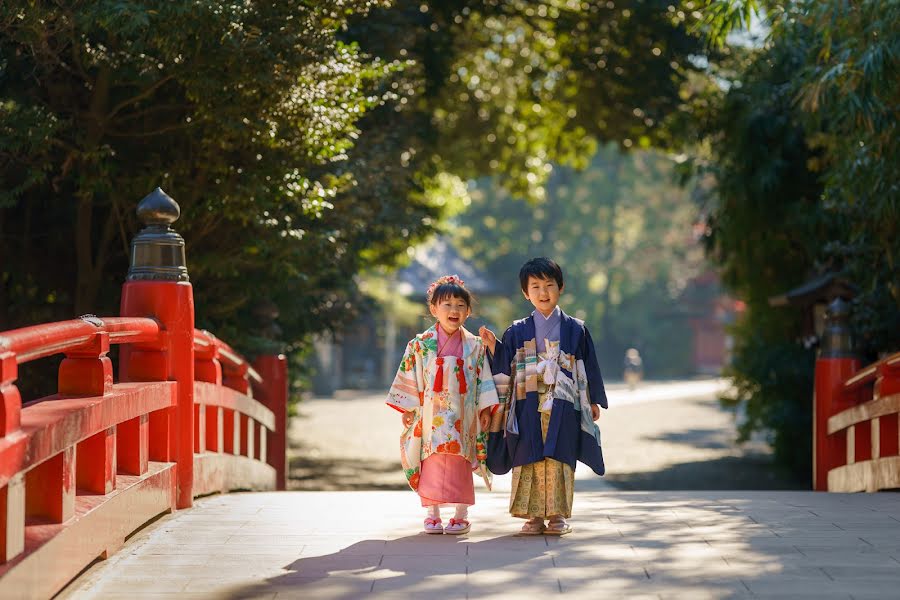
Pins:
x,y
433,525
457,527
558,526
532,527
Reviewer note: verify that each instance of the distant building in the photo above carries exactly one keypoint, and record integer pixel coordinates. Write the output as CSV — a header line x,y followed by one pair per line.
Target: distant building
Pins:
x,y
709,311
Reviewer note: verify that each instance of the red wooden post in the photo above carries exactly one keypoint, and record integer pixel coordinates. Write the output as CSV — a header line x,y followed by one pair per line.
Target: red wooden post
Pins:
x,y
10,400
231,433
248,428
50,488
208,368
157,286
87,371
132,445
12,495
235,377
95,462
834,365
273,370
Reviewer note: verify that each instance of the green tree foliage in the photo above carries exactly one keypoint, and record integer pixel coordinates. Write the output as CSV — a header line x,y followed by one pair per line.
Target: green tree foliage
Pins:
x,y
303,140
803,147
850,94
765,232
621,230
244,113
509,87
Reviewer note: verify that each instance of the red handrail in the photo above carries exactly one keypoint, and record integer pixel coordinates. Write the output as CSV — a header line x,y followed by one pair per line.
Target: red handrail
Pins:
x,y
83,469
40,341
230,359
857,412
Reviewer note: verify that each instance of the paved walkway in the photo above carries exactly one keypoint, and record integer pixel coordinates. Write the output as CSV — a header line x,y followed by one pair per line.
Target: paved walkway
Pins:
x,y
626,544
660,436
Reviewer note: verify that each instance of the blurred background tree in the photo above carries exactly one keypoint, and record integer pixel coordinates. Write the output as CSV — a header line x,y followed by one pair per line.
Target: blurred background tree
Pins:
x,y
241,112
622,232
803,147
308,142
305,141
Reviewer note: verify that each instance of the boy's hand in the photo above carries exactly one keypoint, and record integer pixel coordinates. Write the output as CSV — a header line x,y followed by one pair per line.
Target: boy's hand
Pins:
x,y
408,417
488,337
484,419
595,411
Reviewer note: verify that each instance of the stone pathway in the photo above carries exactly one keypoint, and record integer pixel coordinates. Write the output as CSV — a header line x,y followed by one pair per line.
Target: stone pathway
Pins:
x,y
665,435
355,542
625,545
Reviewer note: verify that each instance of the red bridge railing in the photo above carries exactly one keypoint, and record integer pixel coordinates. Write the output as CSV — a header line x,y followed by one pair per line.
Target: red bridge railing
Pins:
x,y
187,415
856,412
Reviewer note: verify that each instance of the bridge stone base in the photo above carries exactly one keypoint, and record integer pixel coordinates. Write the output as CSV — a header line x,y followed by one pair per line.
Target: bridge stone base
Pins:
x,y
624,544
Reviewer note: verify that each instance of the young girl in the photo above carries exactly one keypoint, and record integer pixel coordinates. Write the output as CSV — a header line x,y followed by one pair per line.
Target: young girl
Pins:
x,y
446,407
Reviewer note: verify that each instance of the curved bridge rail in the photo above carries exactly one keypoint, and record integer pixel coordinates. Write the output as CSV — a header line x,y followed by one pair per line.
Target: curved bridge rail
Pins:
x,y
82,469
236,437
856,433
861,434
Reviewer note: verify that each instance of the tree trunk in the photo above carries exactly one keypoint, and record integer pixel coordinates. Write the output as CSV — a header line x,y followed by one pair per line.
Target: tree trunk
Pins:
x,y
89,271
86,279
606,321
4,301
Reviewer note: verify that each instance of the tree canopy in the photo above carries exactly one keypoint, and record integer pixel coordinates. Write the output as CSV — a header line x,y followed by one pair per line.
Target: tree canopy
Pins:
x,y
303,140
804,149
622,232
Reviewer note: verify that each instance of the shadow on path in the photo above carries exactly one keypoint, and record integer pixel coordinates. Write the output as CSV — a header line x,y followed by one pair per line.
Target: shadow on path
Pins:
x,y
747,472
344,474
440,566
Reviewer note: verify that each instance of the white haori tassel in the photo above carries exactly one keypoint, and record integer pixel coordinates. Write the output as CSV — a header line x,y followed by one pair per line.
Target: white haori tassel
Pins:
x,y
549,367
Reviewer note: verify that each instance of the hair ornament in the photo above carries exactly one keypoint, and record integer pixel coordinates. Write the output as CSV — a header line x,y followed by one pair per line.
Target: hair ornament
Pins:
x,y
454,279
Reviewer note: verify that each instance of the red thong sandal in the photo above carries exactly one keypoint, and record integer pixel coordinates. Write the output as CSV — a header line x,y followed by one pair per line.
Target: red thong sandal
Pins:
x,y
458,527
433,526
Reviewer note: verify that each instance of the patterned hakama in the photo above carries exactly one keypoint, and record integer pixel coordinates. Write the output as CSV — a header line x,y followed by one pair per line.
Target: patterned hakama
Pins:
x,y
544,488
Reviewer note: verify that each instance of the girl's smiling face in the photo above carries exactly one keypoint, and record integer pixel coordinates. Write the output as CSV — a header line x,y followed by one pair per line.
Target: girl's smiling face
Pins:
x,y
451,312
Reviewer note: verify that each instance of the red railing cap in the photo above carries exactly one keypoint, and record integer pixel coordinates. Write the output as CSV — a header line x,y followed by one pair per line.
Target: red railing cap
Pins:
x,y
47,339
229,358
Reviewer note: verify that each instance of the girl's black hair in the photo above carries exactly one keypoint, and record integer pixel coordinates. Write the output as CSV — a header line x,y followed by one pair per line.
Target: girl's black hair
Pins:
x,y
451,290
541,268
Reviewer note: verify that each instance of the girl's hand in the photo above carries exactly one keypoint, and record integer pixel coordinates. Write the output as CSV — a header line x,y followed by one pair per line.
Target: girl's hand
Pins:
x,y
488,337
484,419
408,418
595,411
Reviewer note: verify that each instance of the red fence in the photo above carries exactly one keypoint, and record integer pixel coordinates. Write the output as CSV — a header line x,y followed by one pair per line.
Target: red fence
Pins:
x,y
856,436
83,469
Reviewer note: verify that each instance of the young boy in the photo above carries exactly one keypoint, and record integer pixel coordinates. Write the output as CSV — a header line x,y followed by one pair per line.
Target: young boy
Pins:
x,y
547,424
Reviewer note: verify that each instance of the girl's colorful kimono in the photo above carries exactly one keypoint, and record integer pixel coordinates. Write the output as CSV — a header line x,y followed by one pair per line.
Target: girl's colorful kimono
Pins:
x,y
447,395
516,437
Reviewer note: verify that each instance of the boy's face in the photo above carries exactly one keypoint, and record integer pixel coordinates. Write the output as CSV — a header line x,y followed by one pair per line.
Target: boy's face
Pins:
x,y
542,293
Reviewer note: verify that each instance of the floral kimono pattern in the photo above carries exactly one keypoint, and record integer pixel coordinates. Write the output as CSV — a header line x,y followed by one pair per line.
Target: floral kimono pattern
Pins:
x,y
446,395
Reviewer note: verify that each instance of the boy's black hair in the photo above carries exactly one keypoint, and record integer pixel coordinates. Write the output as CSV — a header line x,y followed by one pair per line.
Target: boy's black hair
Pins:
x,y
542,268
451,290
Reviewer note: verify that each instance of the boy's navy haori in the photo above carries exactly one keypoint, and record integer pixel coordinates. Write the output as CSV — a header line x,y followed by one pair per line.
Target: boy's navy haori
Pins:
x,y
572,435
